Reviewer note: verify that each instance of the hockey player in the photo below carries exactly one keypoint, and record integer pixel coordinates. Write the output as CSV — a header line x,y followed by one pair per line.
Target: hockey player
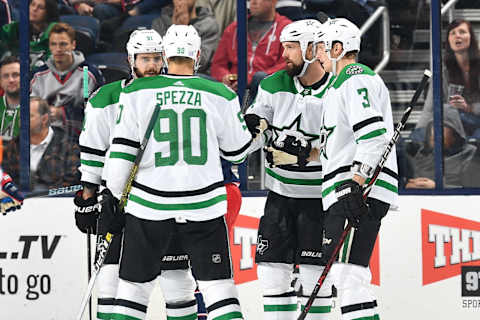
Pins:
x,y
11,198
144,50
356,126
290,101
178,193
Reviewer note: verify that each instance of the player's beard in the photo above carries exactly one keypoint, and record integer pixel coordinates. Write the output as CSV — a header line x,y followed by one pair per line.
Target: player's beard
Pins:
x,y
150,72
294,70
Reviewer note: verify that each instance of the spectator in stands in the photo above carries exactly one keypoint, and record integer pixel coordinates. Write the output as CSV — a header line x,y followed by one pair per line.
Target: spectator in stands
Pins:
x,y
186,12
225,11
60,80
458,157
43,15
461,67
54,160
10,102
264,48
104,10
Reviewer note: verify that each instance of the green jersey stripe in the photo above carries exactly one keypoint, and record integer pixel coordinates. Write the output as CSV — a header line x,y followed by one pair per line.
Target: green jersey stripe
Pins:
x,y
194,82
318,309
373,134
178,206
118,316
92,163
102,315
192,316
332,187
123,155
230,315
303,182
379,182
385,184
282,307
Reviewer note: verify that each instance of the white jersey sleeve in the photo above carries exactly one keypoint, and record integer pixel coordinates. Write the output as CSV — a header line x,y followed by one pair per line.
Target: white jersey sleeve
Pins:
x,y
125,144
97,129
234,139
365,120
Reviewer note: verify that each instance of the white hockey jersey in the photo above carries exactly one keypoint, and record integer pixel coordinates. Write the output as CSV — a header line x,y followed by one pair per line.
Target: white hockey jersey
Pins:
x,y
287,105
180,174
97,131
357,125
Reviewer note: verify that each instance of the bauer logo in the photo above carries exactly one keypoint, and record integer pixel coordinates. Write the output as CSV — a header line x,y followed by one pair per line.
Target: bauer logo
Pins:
x,y
64,190
448,244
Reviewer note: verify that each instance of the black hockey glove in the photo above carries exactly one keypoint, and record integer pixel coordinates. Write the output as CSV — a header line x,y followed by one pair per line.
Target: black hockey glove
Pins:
x,y
112,218
86,212
255,124
350,198
288,149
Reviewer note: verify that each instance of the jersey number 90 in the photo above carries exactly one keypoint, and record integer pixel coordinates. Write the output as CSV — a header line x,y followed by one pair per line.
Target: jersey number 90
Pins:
x,y
172,136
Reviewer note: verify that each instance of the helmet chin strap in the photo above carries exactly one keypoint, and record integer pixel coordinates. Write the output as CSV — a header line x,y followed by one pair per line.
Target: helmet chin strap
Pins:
x,y
334,61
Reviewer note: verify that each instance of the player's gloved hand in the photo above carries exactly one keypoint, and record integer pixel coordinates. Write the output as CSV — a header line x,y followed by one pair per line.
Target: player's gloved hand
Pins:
x,y
350,197
86,212
12,198
112,217
255,124
289,148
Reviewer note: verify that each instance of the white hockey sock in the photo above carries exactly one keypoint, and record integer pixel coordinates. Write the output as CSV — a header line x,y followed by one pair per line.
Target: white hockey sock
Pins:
x,y
280,307
183,311
279,298
178,287
221,299
107,283
132,300
320,309
322,305
358,303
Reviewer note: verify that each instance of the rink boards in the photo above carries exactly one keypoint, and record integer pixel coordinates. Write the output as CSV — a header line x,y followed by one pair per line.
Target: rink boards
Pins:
x,y
426,263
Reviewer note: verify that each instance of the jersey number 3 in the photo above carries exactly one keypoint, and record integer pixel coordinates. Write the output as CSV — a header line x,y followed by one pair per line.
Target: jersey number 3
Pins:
x,y
172,136
364,93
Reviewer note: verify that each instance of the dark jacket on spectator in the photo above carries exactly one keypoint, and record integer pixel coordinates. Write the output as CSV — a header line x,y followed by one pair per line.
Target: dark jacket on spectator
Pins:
x,y
457,159
207,29
57,167
266,57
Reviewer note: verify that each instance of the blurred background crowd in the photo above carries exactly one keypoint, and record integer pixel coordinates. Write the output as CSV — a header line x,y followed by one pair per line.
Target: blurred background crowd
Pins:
x,y
68,35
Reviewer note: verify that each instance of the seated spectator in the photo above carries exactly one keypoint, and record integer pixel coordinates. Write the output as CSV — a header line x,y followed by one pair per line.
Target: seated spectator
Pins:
x,y
462,68
60,80
10,102
54,159
264,53
43,15
458,156
185,12
225,11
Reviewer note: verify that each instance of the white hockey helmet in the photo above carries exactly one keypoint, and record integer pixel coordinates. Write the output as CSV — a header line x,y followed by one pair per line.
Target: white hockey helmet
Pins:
x,y
182,41
143,41
343,31
303,32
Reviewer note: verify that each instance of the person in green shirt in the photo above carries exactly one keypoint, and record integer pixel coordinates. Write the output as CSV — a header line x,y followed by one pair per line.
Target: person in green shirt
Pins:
x,y
10,101
43,16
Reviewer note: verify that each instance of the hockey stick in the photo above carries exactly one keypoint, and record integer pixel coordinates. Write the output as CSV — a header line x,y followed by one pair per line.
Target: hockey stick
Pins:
x,y
426,76
104,243
54,191
89,245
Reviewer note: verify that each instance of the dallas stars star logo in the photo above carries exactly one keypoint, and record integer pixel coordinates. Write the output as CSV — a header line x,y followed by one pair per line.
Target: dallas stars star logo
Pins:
x,y
294,126
325,133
